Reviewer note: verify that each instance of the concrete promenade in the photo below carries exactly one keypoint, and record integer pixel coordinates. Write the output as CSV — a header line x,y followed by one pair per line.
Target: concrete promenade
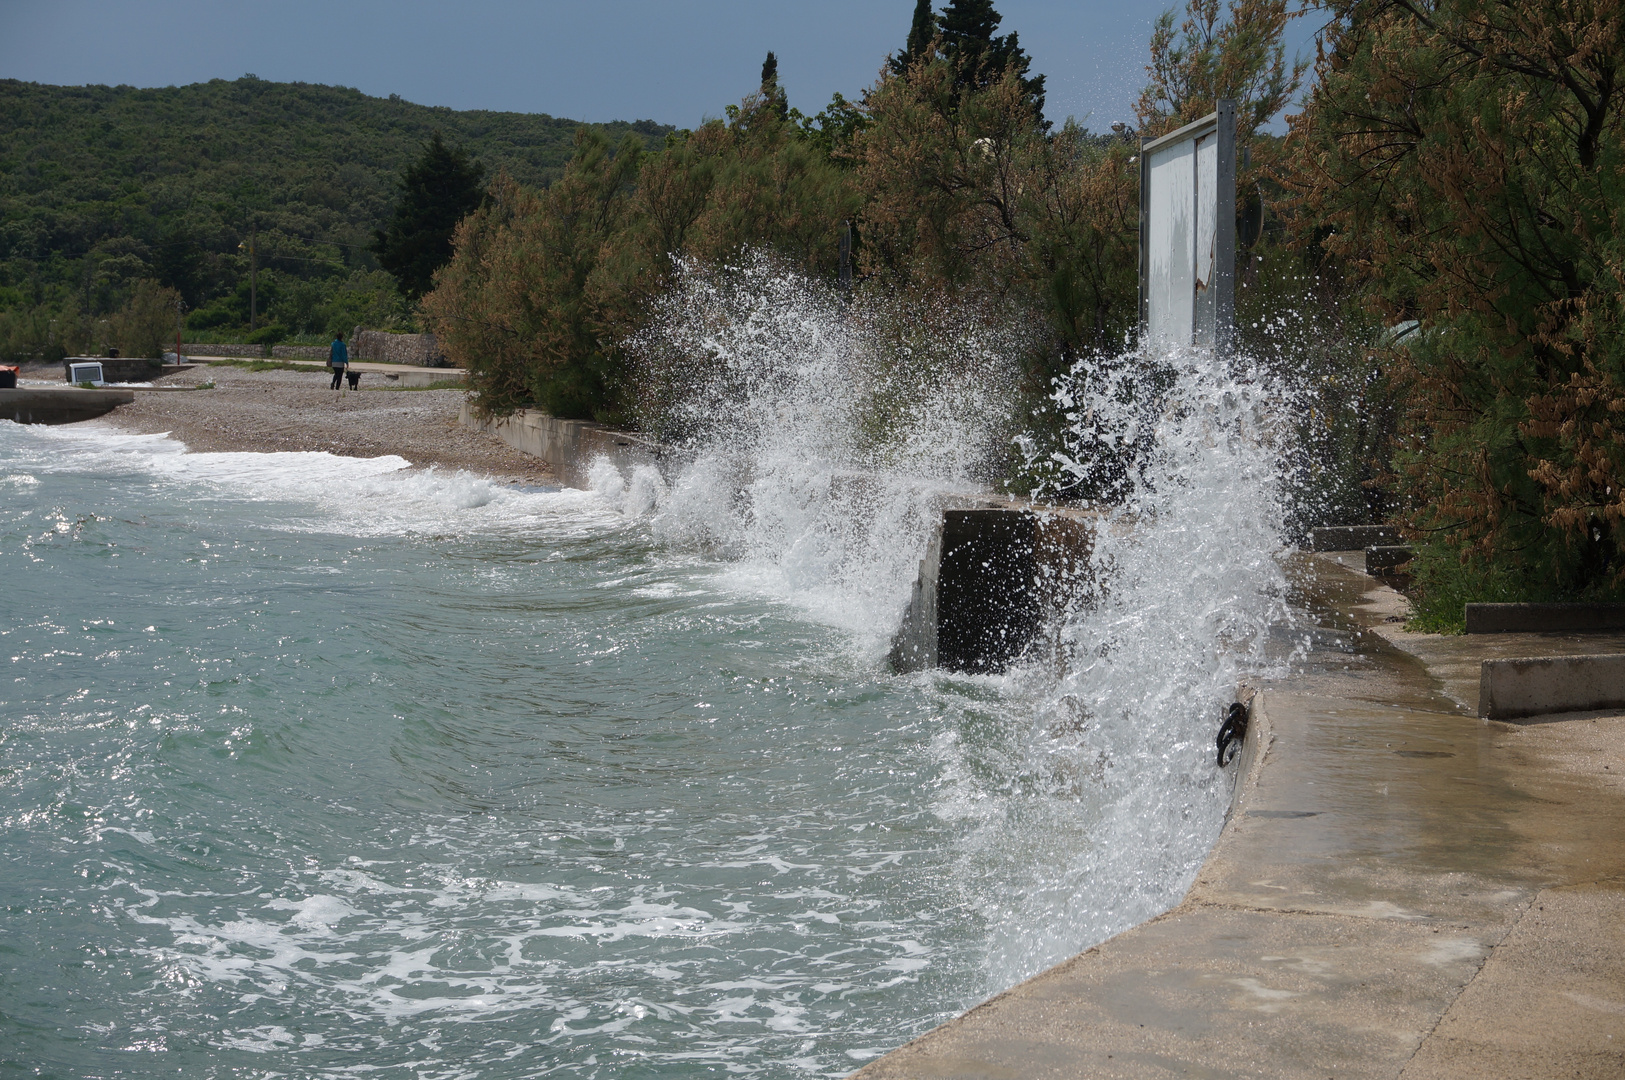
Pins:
x,y
1403,890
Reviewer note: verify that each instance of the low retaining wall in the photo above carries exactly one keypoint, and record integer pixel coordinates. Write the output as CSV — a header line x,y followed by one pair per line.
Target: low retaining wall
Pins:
x,y
1387,558
1535,686
300,352
1543,618
1351,537
568,446
60,405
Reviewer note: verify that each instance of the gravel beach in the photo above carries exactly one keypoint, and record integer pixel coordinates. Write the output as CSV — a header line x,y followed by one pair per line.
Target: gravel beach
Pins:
x,y
295,410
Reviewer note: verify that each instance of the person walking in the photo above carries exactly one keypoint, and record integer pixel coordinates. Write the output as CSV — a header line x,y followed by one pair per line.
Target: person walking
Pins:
x,y
338,358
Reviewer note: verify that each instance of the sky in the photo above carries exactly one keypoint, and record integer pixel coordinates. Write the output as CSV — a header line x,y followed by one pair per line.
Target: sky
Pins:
x,y
675,62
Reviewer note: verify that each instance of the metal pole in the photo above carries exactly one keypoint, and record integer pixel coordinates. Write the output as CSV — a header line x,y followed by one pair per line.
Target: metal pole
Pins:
x,y
846,256
1145,236
1224,234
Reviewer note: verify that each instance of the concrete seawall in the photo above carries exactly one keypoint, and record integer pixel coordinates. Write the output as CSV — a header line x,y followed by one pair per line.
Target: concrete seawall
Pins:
x,y
59,405
568,446
1401,889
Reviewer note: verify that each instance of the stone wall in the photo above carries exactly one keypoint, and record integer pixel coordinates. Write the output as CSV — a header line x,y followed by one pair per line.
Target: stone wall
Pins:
x,y
247,352
300,352
380,347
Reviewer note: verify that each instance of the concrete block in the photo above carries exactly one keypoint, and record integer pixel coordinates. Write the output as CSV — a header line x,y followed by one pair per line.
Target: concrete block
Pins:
x,y
1386,558
1533,686
117,369
1351,537
59,405
990,579
1543,618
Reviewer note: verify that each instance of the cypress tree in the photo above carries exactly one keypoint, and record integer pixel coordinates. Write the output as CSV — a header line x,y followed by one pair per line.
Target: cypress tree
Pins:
x,y
775,97
920,35
441,188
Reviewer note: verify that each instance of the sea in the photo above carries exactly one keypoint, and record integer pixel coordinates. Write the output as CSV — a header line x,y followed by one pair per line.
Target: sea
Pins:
x,y
316,766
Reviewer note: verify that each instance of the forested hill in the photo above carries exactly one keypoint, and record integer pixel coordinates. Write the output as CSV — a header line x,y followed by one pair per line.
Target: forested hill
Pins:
x,y
166,183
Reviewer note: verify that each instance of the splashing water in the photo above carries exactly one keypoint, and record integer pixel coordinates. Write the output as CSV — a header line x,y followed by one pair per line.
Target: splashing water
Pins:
x,y
820,437
819,449
1188,586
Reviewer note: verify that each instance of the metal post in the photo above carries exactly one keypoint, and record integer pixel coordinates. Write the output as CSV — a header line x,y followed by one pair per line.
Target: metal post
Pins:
x,y
1145,250
846,256
1224,234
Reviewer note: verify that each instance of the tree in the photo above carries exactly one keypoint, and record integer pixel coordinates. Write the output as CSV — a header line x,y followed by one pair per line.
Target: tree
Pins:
x,y
980,60
921,33
1216,54
440,189
1463,160
771,92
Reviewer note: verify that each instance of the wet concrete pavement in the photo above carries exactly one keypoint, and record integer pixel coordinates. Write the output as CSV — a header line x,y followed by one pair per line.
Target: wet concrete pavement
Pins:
x,y
1402,890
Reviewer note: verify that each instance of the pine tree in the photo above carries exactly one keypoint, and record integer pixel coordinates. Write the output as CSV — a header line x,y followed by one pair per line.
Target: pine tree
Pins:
x,y
920,35
441,188
980,58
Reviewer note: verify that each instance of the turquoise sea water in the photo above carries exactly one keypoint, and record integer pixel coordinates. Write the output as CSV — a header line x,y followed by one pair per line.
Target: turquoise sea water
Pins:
x,y
309,765
313,766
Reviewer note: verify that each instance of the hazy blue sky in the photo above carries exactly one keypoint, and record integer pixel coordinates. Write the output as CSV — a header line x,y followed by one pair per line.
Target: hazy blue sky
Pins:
x,y
675,62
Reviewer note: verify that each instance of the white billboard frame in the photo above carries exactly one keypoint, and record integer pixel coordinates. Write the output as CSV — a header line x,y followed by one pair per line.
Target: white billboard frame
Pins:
x,y
1188,234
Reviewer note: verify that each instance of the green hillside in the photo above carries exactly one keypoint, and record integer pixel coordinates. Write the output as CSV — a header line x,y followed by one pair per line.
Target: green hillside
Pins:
x,y
102,186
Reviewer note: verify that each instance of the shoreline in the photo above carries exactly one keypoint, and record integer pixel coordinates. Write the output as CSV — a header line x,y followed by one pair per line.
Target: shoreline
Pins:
x,y
1400,889
279,410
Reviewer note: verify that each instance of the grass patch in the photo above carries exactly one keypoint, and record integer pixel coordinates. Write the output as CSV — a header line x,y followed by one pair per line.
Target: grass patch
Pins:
x,y
262,365
438,384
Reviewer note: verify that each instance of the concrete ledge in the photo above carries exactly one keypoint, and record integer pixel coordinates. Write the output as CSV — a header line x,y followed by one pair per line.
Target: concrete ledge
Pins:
x,y
1543,618
60,405
1534,686
568,446
1351,537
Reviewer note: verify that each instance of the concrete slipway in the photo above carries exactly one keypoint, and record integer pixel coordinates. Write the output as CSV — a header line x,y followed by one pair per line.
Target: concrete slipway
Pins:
x,y
1402,890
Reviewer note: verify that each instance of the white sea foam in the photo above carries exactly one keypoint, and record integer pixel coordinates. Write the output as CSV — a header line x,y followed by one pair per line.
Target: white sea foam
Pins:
x,y
378,496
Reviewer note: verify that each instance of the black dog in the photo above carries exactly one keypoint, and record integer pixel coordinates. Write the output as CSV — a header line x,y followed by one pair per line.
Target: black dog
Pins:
x,y
355,378
1232,732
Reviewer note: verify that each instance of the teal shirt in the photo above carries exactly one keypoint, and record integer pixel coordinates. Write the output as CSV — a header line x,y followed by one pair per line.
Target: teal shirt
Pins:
x,y
338,355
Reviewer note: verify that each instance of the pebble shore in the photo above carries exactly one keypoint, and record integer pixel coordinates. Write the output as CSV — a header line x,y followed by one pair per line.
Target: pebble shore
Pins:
x,y
294,410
